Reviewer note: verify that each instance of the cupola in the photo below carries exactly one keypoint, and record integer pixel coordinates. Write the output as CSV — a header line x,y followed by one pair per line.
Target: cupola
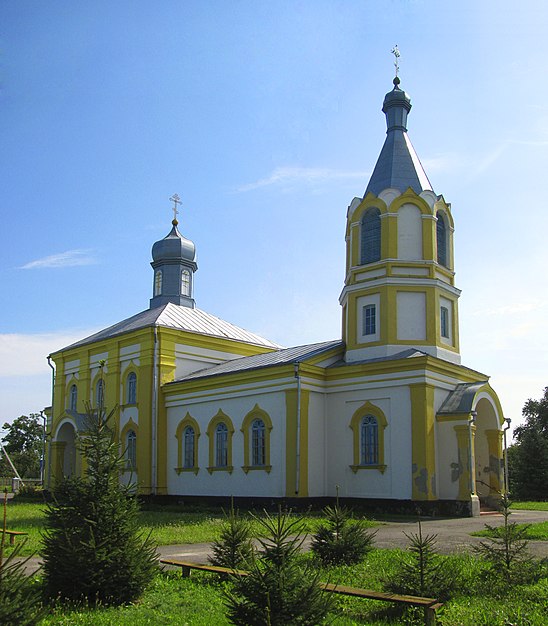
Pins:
x,y
173,261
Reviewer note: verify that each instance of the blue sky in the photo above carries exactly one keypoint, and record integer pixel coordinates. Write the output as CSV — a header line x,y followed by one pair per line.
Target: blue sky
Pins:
x,y
264,116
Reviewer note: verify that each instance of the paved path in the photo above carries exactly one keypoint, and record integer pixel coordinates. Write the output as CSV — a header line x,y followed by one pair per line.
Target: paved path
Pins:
x,y
453,536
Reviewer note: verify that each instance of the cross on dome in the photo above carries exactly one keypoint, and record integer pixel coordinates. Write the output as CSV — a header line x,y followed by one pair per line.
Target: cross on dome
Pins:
x,y
176,200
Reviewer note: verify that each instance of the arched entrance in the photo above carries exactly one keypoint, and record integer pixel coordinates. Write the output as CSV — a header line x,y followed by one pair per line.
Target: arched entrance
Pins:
x,y
488,453
63,451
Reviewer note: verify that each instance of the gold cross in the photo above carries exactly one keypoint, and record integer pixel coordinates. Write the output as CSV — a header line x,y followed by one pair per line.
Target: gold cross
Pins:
x,y
176,200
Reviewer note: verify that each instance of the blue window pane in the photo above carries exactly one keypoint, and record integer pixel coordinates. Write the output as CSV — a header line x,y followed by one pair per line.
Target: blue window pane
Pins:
x,y
369,319
444,322
369,441
189,439
371,237
221,445
441,236
258,443
132,388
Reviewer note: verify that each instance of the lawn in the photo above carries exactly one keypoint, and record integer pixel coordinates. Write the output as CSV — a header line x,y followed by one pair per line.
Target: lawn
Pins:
x,y
168,525
530,506
198,601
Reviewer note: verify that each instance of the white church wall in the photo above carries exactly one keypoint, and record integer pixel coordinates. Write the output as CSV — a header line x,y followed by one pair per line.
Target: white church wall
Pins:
x,y
447,455
222,483
411,307
190,359
316,445
394,482
409,233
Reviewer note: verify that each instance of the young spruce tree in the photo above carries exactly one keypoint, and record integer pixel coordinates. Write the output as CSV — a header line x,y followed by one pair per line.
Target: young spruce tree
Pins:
x,y
93,550
234,548
341,539
280,589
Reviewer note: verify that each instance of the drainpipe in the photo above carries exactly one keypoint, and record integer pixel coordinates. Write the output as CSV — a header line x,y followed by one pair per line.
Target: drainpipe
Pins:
x,y
52,416
298,447
43,460
154,416
471,422
506,481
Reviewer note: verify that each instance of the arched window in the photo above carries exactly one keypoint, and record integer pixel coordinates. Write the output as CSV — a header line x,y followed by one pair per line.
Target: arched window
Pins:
x,y
131,388
189,449
371,236
441,237
258,443
158,283
100,393
369,441
368,425
185,283
131,450
73,400
221,445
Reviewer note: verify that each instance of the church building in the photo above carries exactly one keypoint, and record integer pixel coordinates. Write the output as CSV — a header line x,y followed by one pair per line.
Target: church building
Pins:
x,y
385,414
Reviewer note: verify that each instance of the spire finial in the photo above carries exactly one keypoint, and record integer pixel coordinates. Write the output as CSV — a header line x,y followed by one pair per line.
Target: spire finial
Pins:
x,y
176,200
395,51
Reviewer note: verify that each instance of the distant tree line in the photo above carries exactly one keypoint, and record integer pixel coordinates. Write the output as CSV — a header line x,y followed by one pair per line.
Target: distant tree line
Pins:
x,y
22,440
528,455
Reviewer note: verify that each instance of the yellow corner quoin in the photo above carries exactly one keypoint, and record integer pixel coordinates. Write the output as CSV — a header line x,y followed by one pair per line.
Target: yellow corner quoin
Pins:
x,y
386,411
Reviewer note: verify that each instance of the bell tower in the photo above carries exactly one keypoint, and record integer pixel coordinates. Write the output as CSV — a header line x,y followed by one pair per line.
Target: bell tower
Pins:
x,y
399,291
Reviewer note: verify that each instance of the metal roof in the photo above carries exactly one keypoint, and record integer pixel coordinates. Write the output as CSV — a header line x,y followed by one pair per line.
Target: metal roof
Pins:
x,y
284,356
461,399
398,166
181,318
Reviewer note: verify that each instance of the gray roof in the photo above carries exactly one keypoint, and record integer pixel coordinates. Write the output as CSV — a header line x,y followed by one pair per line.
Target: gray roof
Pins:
x,y
181,318
404,354
284,356
398,166
461,399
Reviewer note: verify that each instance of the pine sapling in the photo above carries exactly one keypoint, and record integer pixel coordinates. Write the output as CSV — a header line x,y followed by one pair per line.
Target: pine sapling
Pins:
x,y
234,547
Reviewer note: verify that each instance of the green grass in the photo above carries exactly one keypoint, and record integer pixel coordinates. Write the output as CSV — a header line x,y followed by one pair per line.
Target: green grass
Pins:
x,y
530,506
168,525
198,601
535,532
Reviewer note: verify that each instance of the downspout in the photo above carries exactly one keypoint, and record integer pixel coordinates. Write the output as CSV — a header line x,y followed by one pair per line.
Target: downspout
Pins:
x,y
154,416
506,481
298,442
48,476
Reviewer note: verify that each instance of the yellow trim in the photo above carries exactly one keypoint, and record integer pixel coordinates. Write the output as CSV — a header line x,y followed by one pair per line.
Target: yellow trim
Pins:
x,y
256,413
423,442
217,419
130,425
494,442
368,409
464,462
188,420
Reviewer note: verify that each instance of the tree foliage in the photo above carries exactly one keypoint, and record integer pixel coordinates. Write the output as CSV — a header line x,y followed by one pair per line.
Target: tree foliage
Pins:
x,y
234,548
93,550
23,442
341,539
280,589
528,457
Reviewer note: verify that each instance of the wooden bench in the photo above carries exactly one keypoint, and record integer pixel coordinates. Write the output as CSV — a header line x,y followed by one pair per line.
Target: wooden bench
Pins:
x,y
430,605
14,533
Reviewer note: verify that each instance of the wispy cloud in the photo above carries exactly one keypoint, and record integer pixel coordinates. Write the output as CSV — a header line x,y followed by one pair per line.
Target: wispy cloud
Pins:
x,y
70,258
25,354
303,175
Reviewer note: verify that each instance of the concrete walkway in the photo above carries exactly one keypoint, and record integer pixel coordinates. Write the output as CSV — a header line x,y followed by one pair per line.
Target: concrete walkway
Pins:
x,y
453,536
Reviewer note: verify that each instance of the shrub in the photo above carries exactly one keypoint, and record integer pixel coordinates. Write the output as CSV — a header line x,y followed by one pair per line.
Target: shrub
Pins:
x,y
506,551
423,572
93,551
280,589
341,540
233,548
19,595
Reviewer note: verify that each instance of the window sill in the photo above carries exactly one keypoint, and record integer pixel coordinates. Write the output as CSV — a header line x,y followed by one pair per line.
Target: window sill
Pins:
x,y
193,470
226,468
254,468
356,468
